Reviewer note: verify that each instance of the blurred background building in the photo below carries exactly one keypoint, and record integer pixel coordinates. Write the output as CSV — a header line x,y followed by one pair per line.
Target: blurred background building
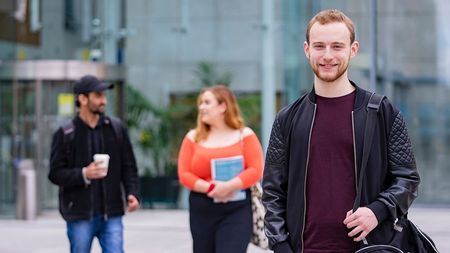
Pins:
x,y
161,52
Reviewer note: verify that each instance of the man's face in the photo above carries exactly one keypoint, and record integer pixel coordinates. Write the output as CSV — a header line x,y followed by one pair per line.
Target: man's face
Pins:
x,y
329,50
95,102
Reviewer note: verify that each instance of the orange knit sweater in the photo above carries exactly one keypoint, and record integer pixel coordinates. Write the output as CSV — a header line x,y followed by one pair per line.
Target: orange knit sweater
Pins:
x,y
194,160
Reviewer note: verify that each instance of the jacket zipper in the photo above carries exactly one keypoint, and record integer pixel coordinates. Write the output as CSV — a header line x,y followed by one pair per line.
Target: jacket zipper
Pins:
x,y
354,153
306,176
91,193
92,203
105,207
103,180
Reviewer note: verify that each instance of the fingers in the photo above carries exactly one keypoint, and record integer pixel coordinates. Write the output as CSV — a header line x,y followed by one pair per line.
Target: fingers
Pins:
x,y
350,217
220,191
361,236
349,213
133,203
355,231
93,171
361,223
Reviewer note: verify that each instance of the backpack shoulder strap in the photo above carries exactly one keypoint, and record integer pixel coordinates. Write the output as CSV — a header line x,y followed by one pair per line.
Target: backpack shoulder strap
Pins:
x,y
373,106
68,129
117,127
375,101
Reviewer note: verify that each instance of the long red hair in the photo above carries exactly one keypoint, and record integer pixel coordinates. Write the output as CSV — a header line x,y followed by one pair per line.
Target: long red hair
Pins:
x,y
232,115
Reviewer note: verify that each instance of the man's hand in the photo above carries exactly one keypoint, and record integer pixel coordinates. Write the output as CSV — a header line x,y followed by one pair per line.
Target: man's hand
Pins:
x,y
94,171
133,203
362,221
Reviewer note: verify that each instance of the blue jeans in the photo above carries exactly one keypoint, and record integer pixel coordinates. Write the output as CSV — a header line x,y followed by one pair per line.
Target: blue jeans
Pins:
x,y
108,232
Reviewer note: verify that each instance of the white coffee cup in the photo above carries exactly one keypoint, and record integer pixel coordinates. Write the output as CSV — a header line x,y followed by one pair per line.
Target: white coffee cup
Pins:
x,y
104,161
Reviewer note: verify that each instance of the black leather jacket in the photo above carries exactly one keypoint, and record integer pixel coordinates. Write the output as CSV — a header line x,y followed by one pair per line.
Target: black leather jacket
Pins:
x,y
391,178
76,197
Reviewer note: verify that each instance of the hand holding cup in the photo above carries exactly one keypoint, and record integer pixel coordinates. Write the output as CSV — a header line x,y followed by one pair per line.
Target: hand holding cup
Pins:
x,y
99,167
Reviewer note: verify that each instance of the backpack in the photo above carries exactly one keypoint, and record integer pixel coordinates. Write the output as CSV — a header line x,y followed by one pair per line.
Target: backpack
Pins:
x,y
69,131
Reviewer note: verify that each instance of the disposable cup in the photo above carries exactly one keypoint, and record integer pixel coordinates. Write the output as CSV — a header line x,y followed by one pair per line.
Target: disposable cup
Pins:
x,y
104,159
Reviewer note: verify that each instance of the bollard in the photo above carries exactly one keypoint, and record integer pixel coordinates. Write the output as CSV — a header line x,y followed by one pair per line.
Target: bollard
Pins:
x,y
26,206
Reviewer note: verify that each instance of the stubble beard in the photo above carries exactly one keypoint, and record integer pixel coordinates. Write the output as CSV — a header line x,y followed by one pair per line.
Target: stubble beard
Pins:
x,y
99,110
329,78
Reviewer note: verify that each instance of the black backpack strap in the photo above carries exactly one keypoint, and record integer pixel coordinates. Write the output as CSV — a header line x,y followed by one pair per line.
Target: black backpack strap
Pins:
x,y
375,101
372,109
68,129
117,127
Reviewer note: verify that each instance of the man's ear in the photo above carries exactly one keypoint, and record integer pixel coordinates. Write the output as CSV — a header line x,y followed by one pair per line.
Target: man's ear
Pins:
x,y
306,49
82,99
354,49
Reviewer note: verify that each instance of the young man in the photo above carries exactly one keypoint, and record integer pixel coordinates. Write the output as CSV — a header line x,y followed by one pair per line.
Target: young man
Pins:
x,y
314,155
90,197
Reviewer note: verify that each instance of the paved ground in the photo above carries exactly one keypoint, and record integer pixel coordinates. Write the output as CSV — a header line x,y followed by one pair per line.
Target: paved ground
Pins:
x,y
164,231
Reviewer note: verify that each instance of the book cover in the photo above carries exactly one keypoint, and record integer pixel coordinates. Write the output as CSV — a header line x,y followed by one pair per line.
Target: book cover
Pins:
x,y
224,169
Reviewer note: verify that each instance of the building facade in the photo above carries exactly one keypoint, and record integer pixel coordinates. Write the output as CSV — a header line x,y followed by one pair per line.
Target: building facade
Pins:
x,y
405,43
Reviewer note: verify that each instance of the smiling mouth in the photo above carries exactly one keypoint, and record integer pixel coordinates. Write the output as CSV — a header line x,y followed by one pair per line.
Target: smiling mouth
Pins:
x,y
328,66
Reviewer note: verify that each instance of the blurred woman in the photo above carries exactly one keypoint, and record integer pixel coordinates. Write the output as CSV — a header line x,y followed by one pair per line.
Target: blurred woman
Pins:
x,y
220,210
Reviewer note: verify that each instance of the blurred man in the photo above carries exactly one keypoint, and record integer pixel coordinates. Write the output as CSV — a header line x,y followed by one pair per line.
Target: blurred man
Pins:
x,y
90,192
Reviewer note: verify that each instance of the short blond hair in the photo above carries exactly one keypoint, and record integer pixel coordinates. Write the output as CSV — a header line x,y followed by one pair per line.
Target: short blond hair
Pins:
x,y
331,16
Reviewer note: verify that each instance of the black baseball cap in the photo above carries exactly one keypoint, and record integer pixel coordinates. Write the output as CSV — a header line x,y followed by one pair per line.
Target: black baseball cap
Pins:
x,y
89,83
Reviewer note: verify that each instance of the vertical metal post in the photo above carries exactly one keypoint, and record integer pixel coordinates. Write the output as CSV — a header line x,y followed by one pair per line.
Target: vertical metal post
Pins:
x,y
111,15
39,164
267,71
373,45
86,20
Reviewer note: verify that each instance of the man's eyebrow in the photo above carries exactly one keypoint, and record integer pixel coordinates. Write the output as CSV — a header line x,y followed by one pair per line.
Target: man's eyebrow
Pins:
x,y
333,43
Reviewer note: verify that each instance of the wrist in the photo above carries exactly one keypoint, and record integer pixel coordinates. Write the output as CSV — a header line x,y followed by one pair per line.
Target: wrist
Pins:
x,y
85,177
210,187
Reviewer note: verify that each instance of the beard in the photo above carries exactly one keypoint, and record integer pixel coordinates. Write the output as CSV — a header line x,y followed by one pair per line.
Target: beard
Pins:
x,y
329,77
99,110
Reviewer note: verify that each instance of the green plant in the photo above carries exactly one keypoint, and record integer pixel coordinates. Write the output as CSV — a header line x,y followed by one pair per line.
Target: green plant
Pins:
x,y
207,75
152,126
250,105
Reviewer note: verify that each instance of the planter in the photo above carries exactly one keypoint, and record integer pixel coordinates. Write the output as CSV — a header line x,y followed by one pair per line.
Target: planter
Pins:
x,y
159,191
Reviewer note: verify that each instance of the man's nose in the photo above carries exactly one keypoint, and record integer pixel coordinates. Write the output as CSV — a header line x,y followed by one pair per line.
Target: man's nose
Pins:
x,y
104,100
328,54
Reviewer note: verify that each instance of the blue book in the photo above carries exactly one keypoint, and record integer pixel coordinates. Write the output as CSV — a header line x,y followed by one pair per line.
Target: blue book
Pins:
x,y
224,169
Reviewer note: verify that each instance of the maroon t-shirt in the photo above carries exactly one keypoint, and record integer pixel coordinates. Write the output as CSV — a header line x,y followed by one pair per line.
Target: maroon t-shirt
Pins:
x,y
331,185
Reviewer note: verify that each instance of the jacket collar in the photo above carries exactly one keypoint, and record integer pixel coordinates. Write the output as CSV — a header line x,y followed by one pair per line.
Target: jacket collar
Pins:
x,y
359,98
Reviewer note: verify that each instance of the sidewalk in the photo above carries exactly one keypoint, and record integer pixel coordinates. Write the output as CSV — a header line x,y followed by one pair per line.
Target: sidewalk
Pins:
x,y
164,231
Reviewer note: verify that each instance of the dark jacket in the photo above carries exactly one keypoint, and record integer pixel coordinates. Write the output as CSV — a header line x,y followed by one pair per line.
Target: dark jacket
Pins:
x,y
391,178
66,163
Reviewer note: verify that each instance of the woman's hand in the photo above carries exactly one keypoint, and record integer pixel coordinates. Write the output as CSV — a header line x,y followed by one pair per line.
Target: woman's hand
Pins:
x,y
223,191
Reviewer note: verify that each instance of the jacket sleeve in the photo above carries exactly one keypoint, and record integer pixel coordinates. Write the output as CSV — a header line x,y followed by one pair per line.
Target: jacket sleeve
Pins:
x,y
396,199
130,177
274,197
60,173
